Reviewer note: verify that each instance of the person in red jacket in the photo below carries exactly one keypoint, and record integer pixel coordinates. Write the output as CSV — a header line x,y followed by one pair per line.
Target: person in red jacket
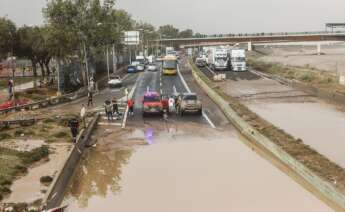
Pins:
x,y
130,104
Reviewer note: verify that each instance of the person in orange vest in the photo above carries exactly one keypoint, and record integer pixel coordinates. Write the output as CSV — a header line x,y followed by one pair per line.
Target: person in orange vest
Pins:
x,y
130,104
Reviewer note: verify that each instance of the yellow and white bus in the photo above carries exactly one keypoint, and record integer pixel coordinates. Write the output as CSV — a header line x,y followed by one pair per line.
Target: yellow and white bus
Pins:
x,y
170,65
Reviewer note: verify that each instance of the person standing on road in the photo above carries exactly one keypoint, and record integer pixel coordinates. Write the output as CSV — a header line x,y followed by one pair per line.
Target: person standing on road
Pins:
x,y
108,110
171,104
10,88
115,107
82,115
73,124
89,99
130,104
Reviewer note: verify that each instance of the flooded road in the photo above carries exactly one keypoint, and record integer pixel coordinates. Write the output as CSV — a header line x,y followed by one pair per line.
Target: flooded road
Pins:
x,y
317,124
184,167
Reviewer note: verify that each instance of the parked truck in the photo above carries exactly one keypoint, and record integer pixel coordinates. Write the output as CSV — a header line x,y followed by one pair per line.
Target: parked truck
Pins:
x,y
218,59
170,51
238,60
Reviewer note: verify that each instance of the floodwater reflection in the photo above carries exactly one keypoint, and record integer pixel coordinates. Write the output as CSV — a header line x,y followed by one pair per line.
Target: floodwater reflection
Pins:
x,y
198,169
99,174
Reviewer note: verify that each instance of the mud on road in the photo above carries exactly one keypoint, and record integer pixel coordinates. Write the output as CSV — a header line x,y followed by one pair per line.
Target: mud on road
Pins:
x,y
180,167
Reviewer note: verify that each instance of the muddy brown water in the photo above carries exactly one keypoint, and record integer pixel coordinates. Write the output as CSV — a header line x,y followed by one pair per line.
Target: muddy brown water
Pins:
x,y
189,168
318,124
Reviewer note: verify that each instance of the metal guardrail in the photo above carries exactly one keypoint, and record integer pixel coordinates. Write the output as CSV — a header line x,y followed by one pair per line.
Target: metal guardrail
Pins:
x,y
57,100
47,102
21,122
255,35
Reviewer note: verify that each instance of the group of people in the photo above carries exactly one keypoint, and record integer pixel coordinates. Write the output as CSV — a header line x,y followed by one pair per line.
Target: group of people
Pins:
x,y
112,109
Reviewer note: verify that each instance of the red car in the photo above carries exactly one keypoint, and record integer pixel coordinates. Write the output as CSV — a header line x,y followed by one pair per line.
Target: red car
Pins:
x,y
152,103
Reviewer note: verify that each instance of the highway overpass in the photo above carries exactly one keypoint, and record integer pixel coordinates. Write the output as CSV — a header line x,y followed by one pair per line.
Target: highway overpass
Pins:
x,y
254,38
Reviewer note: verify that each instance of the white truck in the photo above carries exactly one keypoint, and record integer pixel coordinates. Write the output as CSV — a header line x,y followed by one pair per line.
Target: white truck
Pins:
x,y
170,51
218,59
238,60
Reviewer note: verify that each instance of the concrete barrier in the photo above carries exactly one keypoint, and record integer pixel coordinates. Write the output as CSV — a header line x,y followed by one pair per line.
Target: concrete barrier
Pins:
x,y
56,191
318,92
327,190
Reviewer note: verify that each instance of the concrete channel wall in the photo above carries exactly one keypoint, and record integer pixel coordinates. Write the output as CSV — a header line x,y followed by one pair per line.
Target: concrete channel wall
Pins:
x,y
324,188
56,191
319,92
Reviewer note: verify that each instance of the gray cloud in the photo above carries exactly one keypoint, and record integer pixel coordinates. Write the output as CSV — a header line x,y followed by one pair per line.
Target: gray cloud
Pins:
x,y
216,16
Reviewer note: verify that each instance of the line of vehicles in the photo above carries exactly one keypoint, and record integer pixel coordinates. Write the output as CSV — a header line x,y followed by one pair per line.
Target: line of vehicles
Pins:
x,y
222,58
154,103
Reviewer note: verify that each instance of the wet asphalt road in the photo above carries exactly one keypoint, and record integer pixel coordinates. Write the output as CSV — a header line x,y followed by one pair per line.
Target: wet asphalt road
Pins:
x,y
166,85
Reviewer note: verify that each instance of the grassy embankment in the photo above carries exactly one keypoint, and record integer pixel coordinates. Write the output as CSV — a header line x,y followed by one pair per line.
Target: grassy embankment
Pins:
x,y
307,75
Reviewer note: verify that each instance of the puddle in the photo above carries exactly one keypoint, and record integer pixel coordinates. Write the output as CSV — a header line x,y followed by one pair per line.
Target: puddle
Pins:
x,y
198,169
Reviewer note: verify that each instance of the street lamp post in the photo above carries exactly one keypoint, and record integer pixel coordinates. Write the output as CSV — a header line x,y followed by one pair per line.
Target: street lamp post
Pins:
x,y
107,53
12,65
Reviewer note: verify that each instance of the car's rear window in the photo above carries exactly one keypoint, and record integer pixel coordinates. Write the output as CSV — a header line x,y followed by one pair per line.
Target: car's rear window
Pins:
x,y
190,97
152,98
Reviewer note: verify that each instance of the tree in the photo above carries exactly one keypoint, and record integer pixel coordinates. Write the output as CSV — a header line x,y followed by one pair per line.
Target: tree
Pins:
x,y
29,40
7,37
188,33
168,31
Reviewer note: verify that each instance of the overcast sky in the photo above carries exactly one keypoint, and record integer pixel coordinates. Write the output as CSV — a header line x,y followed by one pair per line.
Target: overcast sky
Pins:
x,y
216,16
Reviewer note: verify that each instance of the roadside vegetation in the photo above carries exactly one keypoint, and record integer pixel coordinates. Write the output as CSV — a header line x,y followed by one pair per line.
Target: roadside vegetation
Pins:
x,y
308,75
14,163
319,164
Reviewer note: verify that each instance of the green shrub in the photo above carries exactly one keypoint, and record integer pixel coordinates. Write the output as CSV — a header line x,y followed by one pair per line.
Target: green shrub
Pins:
x,y
327,80
19,132
307,77
49,120
61,134
4,136
46,179
34,155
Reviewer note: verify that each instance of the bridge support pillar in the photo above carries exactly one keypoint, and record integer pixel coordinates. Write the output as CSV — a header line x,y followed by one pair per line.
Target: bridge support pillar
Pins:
x,y
318,49
250,46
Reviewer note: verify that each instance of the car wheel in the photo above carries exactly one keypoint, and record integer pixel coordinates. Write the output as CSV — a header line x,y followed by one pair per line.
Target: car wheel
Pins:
x,y
200,112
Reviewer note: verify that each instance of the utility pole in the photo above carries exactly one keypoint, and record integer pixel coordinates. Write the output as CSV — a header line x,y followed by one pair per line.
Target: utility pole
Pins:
x,y
114,59
107,53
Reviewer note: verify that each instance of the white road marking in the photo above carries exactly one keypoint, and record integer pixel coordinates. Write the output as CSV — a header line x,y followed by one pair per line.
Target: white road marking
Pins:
x,y
208,120
174,89
130,96
183,81
188,89
208,68
109,124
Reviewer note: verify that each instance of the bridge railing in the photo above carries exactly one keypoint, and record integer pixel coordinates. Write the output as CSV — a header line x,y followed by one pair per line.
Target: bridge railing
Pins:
x,y
245,35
